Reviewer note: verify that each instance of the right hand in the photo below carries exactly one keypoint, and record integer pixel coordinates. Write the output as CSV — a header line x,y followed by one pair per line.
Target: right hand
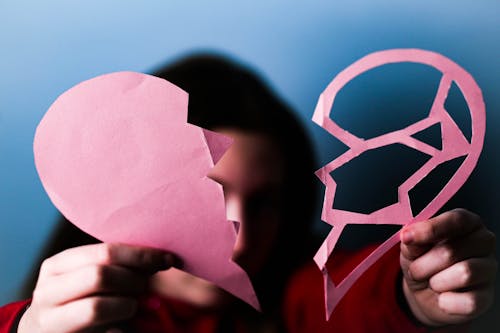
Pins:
x,y
92,286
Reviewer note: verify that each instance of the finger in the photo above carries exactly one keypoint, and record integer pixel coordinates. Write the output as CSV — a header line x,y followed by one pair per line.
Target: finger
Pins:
x,y
411,283
146,259
448,225
88,281
407,254
443,255
465,275
89,312
411,252
469,304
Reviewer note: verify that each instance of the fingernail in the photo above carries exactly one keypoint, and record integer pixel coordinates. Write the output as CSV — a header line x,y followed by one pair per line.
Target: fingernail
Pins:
x,y
407,236
445,302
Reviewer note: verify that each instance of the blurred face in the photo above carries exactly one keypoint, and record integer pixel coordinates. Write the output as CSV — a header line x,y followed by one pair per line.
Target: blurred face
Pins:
x,y
251,175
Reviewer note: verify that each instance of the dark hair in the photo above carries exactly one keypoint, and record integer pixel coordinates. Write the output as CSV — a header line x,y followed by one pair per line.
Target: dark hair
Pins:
x,y
223,94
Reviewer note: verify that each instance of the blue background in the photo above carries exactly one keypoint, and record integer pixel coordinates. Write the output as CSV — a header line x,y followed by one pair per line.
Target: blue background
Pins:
x,y
47,47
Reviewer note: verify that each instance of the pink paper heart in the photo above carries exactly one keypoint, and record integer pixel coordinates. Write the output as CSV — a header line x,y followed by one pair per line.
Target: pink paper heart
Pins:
x,y
119,160
454,145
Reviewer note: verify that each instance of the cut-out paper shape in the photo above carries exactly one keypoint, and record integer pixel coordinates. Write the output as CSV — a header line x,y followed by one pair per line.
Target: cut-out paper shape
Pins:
x,y
119,160
454,144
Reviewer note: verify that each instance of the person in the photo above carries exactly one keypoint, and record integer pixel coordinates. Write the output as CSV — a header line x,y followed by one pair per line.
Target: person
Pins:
x,y
441,275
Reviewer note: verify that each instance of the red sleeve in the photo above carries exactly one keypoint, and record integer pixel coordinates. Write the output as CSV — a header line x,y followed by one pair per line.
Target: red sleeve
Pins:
x,y
10,315
371,305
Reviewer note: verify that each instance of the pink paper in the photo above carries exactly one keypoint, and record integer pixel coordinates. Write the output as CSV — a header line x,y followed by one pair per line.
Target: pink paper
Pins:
x,y
118,158
454,145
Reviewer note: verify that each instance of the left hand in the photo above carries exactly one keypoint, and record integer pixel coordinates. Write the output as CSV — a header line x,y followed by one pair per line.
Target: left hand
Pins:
x,y
448,268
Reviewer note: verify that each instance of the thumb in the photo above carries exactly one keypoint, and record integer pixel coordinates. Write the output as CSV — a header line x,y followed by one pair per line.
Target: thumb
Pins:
x,y
411,249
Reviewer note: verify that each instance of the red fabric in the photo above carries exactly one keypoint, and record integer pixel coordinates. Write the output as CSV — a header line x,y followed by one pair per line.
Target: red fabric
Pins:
x,y
158,314
9,315
370,306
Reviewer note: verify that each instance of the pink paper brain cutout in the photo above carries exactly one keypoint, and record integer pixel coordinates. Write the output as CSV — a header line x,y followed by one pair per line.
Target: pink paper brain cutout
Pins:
x,y
454,145
117,157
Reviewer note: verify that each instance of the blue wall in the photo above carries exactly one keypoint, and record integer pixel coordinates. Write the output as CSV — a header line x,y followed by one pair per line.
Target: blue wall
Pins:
x,y
47,47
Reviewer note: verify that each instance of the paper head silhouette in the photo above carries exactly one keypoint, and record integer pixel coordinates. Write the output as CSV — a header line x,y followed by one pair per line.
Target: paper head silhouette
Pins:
x,y
454,145
119,160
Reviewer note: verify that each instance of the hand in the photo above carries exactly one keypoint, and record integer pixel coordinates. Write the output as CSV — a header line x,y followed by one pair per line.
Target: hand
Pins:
x,y
90,286
448,268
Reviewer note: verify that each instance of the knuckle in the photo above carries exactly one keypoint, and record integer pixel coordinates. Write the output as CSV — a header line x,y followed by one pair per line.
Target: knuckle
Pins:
x,y
432,231
436,284
403,258
143,256
457,215
149,257
406,254
460,215
38,295
413,273
460,211
45,266
447,254
105,253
